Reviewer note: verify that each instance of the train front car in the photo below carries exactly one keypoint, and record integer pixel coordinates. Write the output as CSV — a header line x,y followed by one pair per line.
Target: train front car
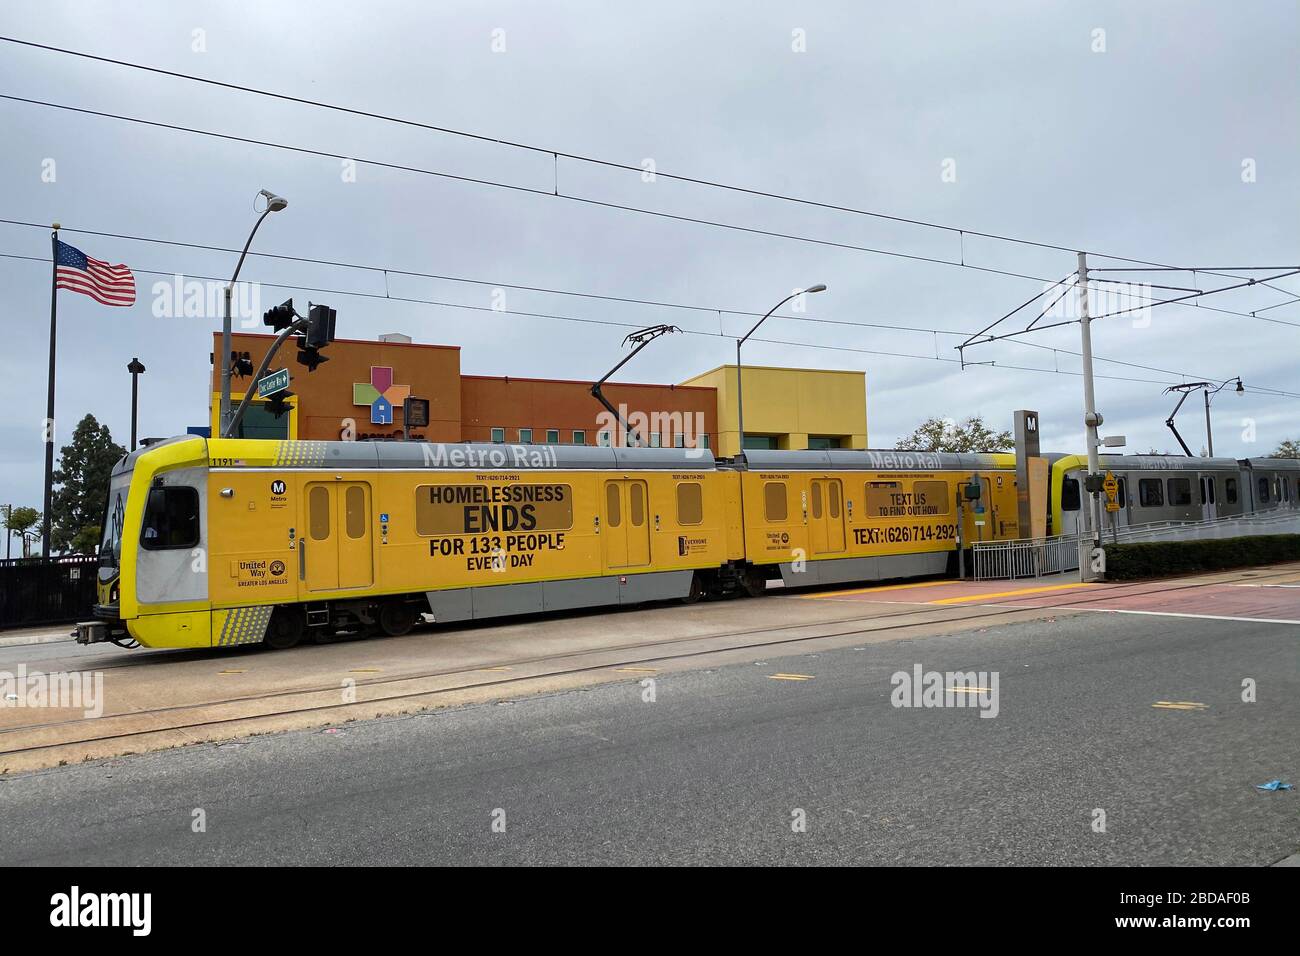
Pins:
x,y
152,578
1271,484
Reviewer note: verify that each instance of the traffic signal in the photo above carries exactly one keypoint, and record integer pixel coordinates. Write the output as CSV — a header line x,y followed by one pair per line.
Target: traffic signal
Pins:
x,y
278,403
320,326
280,317
241,363
310,357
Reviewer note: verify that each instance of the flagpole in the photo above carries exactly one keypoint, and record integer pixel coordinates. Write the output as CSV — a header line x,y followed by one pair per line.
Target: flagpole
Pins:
x,y
49,398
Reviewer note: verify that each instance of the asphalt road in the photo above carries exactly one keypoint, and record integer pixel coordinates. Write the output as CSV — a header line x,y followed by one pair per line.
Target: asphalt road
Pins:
x,y
711,771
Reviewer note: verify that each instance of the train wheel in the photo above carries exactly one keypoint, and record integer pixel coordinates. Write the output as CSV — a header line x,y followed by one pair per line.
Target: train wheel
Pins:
x,y
396,618
285,629
697,590
753,582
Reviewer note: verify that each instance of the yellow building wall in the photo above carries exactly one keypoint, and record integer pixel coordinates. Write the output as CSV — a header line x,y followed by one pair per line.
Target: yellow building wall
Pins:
x,y
789,403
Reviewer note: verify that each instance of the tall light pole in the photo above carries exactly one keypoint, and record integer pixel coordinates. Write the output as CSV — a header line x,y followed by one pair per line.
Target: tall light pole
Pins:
x,y
136,368
740,398
1091,419
274,203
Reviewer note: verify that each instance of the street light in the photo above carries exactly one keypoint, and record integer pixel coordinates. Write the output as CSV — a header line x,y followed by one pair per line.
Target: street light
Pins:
x,y
136,368
740,399
1209,389
274,203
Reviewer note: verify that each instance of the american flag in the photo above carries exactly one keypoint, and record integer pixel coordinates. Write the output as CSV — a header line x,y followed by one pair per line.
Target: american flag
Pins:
x,y
107,285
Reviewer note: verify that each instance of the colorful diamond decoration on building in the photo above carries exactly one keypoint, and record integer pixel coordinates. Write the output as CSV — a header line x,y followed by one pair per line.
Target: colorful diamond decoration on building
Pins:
x,y
380,394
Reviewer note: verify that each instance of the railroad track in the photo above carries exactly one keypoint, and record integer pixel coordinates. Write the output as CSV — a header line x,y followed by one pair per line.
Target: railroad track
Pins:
x,y
192,717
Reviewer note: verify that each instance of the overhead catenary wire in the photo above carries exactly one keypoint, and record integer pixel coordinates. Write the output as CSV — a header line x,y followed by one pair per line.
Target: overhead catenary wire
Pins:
x,y
698,332
960,231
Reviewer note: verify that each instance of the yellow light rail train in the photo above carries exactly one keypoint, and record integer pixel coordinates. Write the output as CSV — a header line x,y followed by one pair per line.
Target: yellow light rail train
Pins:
x,y
232,541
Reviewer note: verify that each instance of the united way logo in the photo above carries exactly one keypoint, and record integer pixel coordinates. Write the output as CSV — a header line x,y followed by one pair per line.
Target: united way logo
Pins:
x,y
380,394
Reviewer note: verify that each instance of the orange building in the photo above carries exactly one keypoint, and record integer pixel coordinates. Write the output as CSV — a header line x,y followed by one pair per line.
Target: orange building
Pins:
x,y
358,394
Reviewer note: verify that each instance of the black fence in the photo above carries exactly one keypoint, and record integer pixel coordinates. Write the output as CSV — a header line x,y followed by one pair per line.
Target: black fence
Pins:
x,y
37,591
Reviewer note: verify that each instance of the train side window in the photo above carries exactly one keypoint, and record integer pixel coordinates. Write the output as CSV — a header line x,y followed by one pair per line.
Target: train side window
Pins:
x,y
636,503
171,518
354,506
1151,493
690,503
1180,491
1070,494
816,499
613,512
1230,489
318,513
1263,490
774,501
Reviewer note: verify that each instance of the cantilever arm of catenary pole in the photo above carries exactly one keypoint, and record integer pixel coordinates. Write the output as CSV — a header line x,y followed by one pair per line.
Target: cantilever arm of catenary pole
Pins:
x,y
983,336
642,338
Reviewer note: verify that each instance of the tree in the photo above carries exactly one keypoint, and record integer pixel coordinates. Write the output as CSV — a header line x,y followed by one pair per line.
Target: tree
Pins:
x,y
82,480
945,434
1288,449
24,523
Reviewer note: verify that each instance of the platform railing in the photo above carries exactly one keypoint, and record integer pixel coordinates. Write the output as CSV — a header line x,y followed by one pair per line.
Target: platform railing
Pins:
x,y
1024,557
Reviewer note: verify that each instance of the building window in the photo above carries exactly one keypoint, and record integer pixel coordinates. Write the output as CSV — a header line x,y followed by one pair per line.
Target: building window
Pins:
x,y
820,442
498,435
602,439
679,441
1070,494
579,437
1180,491
774,505
1151,493
525,436
690,503
655,440
760,442
171,519
552,436
1230,489
704,441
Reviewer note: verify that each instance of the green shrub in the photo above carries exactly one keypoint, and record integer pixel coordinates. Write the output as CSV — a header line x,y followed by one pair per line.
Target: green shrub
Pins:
x,y
1151,559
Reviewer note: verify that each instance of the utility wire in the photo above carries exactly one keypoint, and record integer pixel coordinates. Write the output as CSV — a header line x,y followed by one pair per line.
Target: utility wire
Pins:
x,y
632,325
578,157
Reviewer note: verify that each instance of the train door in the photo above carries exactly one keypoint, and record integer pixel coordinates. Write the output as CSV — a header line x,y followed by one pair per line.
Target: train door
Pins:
x,y
1209,498
336,550
826,514
627,525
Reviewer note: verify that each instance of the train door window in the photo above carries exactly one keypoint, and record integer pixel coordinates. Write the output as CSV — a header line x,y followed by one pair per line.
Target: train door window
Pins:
x,y
499,435
613,512
636,504
318,512
816,499
1180,491
690,503
1070,494
833,497
774,501
1230,489
1204,495
354,511
171,518
1263,491
1209,483
1122,497
1277,491
579,437
1151,493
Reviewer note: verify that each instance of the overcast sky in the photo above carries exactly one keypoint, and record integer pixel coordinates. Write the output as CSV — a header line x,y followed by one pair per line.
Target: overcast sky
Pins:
x,y
1164,131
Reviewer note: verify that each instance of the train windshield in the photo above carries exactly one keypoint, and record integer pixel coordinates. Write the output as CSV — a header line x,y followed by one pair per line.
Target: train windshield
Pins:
x,y
110,544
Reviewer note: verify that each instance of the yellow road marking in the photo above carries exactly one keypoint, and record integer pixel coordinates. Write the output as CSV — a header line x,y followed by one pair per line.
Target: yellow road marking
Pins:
x,y
232,672
967,690
636,670
886,587
492,668
1179,705
790,677
1001,594
365,670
